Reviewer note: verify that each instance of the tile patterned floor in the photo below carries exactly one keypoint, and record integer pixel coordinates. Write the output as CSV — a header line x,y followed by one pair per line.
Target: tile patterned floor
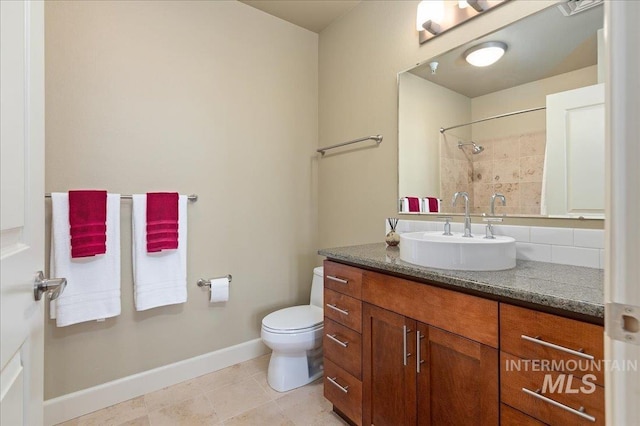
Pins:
x,y
235,396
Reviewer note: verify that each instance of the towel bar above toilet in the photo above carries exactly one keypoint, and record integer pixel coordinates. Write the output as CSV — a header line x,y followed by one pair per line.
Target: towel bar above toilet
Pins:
x,y
207,283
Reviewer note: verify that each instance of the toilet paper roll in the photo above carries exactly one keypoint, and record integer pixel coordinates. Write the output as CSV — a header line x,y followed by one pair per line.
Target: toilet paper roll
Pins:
x,y
219,290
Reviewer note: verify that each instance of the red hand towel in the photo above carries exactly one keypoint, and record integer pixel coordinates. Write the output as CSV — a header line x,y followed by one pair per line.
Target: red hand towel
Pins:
x,y
87,220
433,204
162,221
414,204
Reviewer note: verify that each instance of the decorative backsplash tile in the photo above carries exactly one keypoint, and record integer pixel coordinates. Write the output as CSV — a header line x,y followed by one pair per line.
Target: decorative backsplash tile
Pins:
x,y
568,246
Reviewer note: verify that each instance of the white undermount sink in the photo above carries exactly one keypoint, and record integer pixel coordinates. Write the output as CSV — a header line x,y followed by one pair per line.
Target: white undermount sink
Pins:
x,y
435,250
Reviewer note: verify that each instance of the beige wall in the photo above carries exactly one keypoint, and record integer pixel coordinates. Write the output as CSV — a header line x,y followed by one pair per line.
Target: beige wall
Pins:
x,y
525,96
423,105
360,56
214,98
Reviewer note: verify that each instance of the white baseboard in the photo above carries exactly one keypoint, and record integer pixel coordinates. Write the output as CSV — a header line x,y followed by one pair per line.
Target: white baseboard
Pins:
x,y
67,407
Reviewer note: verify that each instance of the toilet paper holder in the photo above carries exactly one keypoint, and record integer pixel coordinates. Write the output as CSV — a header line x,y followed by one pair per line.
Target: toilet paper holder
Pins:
x,y
207,283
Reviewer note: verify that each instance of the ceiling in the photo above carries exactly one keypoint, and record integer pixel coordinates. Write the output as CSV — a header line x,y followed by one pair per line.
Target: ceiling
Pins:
x,y
314,15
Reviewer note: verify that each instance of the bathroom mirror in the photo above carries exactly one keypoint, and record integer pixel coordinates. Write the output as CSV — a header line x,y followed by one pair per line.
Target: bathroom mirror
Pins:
x,y
551,54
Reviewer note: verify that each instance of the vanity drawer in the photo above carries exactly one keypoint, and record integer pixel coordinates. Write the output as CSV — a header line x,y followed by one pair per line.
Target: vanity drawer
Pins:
x,y
469,316
343,390
509,416
343,279
343,309
576,398
541,337
343,346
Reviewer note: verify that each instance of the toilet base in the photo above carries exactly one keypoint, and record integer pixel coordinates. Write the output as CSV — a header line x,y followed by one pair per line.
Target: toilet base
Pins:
x,y
291,370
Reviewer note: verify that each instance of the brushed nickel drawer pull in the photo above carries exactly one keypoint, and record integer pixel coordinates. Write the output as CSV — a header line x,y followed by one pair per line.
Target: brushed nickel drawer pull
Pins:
x,y
558,347
405,355
344,389
333,337
335,308
419,336
336,279
580,412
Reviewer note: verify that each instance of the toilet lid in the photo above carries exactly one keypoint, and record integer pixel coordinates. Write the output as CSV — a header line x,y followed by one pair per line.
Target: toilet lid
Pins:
x,y
294,318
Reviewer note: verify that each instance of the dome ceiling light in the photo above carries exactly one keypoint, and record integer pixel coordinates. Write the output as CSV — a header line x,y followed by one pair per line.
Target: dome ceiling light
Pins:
x,y
485,54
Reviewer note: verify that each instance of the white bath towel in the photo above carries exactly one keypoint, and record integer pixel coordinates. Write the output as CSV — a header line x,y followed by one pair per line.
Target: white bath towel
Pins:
x,y
405,206
424,205
159,278
93,283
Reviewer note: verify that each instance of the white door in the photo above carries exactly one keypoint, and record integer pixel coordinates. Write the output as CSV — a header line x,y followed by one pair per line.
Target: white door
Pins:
x,y
574,159
622,266
21,210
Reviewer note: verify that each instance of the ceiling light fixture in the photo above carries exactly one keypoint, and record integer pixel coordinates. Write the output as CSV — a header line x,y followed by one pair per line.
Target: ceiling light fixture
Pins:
x,y
485,54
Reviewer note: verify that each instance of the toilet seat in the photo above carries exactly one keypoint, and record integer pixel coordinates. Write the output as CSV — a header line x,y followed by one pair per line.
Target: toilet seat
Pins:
x,y
295,319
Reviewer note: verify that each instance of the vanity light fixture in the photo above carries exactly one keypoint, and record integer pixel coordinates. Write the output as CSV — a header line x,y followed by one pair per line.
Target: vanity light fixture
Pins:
x,y
434,17
430,15
485,54
479,5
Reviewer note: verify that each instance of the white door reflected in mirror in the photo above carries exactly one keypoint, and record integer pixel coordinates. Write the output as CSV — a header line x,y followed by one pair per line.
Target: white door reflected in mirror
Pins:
x,y
574,179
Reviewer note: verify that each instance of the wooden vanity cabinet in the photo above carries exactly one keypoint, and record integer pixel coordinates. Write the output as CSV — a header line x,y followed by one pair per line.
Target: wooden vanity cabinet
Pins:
x,y
398,352
342,340
417,369
552,367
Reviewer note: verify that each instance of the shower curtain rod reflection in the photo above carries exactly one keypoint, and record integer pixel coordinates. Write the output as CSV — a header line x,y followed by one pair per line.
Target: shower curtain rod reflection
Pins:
x,y
192,197
443,129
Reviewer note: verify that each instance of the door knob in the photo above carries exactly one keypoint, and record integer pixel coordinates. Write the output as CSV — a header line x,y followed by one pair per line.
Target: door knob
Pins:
x,y
53,286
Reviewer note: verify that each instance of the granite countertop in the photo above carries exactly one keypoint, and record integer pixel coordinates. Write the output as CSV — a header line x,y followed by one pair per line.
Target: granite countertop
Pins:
x,y
568,288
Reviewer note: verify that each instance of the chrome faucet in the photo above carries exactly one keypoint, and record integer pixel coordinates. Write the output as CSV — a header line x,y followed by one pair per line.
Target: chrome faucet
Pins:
x,y
467,217
493,201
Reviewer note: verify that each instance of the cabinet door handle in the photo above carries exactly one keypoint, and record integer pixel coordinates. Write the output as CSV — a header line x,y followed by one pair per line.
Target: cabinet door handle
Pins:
x,y
554,346
344,389
405,355
335,308
333,337
336,279
579,412
419,336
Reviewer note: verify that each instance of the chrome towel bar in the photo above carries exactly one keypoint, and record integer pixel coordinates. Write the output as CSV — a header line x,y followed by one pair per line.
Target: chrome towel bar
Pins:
x,y
192,197
207,283
377,138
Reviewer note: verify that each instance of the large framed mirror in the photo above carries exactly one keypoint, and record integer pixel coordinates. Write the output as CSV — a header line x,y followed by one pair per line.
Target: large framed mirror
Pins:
x,y
530,126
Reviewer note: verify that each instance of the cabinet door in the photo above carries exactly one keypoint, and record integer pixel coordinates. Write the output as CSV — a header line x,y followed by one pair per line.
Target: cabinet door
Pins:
x,y
458,380
388,368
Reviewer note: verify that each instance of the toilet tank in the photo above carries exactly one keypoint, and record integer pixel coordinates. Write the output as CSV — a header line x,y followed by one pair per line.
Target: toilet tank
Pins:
x,y
317,287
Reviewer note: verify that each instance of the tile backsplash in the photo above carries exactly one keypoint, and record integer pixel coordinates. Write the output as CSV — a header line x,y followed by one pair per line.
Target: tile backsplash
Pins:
x,y
568,246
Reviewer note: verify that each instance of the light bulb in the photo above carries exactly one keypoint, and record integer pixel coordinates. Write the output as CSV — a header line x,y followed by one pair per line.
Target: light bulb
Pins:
x,y
429,10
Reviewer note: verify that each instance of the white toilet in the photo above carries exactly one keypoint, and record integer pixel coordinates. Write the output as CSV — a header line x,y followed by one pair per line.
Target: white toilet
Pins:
x,y
295,337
